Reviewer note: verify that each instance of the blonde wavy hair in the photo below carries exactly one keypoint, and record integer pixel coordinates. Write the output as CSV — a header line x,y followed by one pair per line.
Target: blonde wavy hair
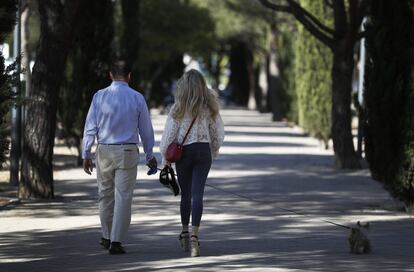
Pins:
x,y
192,94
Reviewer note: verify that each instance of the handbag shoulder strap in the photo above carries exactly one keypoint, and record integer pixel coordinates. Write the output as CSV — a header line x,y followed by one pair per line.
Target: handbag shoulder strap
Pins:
x,y
188,131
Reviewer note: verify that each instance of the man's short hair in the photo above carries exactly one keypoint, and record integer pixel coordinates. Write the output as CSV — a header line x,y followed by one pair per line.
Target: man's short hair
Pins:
x,y
120,68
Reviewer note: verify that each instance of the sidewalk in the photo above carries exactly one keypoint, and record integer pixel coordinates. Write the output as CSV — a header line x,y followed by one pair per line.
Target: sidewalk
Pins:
x,y
261,160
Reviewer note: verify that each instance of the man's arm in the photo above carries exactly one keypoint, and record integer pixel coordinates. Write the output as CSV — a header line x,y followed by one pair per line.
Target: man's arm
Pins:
x,y
146,133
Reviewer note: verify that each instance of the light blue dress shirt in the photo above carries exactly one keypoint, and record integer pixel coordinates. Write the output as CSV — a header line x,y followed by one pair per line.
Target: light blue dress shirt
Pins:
x,y
117,115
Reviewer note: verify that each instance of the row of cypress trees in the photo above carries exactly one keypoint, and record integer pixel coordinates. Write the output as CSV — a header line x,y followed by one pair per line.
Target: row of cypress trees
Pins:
x,y
389,97
388,107
305,94
312,68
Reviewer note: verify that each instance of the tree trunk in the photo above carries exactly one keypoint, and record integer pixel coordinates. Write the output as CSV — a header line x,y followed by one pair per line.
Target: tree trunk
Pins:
x,y
39,132
239,78
25,36
273,75
274,84
251,102
262,87
131,36
342,69
215,69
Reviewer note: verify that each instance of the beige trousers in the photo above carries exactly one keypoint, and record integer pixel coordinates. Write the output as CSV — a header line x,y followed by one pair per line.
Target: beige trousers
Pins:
x,y
116,167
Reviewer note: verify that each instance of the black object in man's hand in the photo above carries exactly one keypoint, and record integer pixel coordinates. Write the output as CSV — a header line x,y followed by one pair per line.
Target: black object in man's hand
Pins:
x,y
152,164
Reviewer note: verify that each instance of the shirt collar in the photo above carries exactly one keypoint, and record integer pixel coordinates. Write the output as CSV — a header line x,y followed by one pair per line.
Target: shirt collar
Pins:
x,y
119,83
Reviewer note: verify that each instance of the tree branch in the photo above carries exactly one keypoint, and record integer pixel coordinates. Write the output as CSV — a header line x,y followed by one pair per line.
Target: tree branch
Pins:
x,y
312,24
311,17
309,22
251,9
275,7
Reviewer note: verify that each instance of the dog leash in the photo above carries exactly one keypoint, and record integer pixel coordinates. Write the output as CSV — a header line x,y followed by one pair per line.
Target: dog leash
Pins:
x,y
271,204
274,205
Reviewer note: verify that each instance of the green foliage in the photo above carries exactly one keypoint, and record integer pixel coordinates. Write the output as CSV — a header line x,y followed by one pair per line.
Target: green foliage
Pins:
x,y
389,97
87,68
151,35
164,32
313,76
171,27
243,20
7,20
241,35
286,44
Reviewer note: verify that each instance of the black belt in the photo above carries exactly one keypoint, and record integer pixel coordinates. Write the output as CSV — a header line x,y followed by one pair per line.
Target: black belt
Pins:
x,y
120,144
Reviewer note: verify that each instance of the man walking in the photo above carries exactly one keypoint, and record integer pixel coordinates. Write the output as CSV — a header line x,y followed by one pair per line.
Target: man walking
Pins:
x,y
117,115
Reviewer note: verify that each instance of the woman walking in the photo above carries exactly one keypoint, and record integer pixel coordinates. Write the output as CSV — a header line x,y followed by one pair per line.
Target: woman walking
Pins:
x,y
194,103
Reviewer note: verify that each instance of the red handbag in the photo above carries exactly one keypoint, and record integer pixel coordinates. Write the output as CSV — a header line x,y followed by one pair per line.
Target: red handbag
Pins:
x,y
175,150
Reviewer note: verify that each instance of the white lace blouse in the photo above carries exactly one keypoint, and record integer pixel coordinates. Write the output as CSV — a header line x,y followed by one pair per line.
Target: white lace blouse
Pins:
x,y
204,130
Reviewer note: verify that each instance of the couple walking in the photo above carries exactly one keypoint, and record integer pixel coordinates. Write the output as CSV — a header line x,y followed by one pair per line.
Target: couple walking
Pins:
x,y
119,118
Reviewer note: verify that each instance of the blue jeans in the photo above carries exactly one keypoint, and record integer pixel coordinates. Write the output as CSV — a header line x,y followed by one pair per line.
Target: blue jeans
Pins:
x,y
192,171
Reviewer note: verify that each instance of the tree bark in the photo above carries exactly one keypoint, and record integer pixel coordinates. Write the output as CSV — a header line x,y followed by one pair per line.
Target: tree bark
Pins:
x,y
342,69
39,132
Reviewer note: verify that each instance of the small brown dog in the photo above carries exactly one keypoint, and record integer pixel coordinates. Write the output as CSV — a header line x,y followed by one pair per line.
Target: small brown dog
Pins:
x,y
358,239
